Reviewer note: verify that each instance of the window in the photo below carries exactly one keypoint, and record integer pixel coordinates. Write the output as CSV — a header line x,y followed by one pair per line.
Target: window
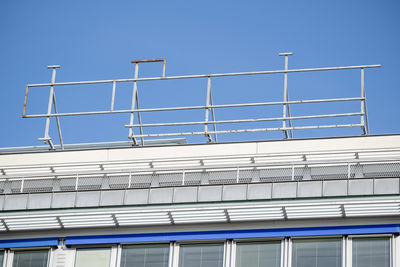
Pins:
x,y
371,252
1,257
30,258
317,253
258,254
145,256
93,257
201,255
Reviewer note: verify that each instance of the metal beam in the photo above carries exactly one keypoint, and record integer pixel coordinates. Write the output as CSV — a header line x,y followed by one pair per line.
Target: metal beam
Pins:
x,y
196,107
244,120
209,75
253,130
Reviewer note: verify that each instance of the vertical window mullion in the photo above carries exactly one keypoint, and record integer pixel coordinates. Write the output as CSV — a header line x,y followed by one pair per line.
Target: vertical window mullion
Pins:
x,y
10,258
171,254
114,256
344,251
396,250
233,254
176,254
226,254
289,252
349,252
391,251
119,256
283,252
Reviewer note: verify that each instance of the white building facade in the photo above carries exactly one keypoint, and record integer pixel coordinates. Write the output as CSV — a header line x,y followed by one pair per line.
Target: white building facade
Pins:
x,y
331,202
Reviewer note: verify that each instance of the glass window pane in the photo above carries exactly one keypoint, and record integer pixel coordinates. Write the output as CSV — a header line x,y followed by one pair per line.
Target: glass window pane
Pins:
x,y
371,252
93,257
317,253
30,258
258,254
201,255
145,256
1,257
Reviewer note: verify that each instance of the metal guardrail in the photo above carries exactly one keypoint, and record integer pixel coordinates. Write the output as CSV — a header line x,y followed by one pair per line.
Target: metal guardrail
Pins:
x,y
209,117
228,174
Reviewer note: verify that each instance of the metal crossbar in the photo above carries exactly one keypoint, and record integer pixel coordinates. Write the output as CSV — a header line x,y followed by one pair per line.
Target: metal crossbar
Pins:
x,y
210,119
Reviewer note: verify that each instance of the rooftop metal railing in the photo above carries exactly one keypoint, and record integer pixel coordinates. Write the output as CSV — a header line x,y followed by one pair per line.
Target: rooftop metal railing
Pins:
x,y
209,122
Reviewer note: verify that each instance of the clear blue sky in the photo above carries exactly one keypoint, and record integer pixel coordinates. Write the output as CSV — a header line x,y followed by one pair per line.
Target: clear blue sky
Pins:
x,y
97,39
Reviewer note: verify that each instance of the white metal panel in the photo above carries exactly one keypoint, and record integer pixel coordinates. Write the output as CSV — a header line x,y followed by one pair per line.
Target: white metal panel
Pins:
x,y
206,150
329,144
53,157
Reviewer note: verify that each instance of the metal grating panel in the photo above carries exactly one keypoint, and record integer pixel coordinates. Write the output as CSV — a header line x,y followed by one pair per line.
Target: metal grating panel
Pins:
x,y
201,171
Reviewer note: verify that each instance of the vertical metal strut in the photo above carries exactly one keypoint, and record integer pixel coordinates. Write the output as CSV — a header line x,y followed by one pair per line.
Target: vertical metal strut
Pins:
x,y
113,96
52,101
133,105
58,122
213,118
364,116
286,107
208,102
135,98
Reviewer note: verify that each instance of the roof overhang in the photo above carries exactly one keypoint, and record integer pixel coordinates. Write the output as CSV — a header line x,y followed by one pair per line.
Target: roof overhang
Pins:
x,y
201,213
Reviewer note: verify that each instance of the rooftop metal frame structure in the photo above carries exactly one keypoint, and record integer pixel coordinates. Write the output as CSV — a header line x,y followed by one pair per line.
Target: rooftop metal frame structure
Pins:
x,y
210,122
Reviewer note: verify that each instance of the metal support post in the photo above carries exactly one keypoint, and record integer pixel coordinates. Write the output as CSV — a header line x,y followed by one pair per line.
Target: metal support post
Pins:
x,y
286,108
77,182
49,106
213,118
58,122
139,119
134,94
163,68
348,170
208,97
364,118
113,96
22,185
292,172
47,138
130,180
135,98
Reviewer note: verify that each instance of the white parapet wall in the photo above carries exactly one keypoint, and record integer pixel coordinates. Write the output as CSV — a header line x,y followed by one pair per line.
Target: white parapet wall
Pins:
x,y
283,147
